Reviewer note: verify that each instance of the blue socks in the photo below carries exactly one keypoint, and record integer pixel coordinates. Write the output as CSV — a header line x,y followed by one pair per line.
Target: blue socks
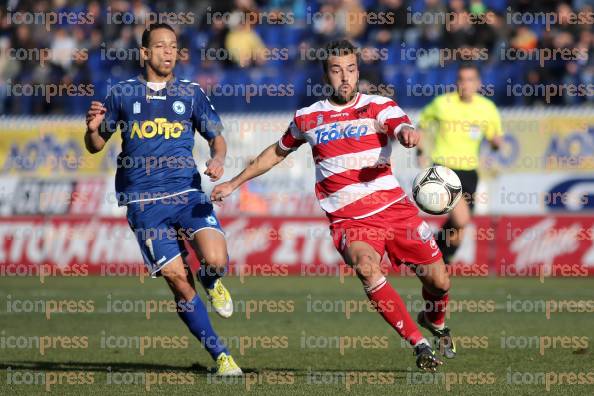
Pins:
x,y
195,316
209,275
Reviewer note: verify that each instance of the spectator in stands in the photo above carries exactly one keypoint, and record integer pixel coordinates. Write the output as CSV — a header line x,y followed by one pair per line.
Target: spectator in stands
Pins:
x,y
245,46
242,42
351,19
216,39
370,71
460,32
324,26
432,29
385,33
62,49
9,69
333,19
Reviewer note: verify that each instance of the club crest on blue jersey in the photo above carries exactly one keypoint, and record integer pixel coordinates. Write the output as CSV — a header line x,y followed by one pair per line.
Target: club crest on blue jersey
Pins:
x,y
179,107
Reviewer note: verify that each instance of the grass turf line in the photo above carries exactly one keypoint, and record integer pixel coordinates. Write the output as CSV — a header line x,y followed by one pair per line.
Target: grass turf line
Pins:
x,y
286,334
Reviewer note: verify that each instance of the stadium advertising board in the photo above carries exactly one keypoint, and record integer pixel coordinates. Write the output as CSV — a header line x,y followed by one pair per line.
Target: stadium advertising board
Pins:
x,y
545,164
51,147
544,141
273,246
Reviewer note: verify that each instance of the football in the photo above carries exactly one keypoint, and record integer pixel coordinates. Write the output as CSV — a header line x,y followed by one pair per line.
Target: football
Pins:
x,y
436,190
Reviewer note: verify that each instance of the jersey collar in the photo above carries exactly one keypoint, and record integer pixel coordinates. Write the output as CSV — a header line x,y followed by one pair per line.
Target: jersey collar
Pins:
x,y
141,78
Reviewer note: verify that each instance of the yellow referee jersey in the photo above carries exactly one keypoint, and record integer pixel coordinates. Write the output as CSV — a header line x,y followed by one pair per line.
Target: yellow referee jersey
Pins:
x,y
459,127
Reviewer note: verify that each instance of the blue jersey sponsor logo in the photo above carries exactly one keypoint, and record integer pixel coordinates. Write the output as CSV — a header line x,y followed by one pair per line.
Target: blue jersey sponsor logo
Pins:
x,y
157,127
325,135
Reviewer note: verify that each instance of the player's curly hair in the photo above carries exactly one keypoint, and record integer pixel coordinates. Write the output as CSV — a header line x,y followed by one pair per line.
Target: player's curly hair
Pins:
x,y
340,47
146,35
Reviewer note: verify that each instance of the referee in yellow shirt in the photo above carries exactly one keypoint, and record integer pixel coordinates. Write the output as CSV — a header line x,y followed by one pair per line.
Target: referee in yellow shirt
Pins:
x,y
459,121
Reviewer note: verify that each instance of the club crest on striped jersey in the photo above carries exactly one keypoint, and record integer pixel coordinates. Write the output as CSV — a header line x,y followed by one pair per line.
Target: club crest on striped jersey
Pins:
x,y
363,112
329,133
320,120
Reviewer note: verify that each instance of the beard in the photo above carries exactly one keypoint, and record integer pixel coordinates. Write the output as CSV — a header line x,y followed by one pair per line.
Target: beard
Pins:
x,y
341,99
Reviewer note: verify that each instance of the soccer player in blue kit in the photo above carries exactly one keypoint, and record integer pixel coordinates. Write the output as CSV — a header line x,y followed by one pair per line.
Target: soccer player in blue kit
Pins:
x,y
158,182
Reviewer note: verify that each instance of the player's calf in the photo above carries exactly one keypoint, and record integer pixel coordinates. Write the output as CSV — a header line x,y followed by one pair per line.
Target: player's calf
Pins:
x,y
388,303
190,308
436,284
209,274
179,280
213,266
209,244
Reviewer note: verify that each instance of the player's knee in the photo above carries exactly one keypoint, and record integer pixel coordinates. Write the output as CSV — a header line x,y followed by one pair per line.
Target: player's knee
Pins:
x,y
215,259
441,285
179,283
366,266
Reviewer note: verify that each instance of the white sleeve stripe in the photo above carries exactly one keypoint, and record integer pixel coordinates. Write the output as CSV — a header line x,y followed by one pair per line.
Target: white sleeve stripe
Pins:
x,y
390,112
375,99
282,146
399,127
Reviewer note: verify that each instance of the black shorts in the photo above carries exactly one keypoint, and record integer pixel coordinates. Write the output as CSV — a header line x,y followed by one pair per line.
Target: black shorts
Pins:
x,y
469,181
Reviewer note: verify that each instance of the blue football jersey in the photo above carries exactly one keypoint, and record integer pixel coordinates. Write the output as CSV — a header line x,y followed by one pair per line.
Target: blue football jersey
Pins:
x,y
158,129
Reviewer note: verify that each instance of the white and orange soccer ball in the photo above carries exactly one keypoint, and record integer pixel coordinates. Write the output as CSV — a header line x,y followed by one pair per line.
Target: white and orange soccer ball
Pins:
x,y
436,190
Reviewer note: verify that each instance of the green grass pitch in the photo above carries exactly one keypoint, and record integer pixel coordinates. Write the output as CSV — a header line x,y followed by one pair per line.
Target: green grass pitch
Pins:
x,y
292,335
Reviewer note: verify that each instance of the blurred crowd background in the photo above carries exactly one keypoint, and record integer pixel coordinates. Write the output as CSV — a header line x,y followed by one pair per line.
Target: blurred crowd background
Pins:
x,y
268,46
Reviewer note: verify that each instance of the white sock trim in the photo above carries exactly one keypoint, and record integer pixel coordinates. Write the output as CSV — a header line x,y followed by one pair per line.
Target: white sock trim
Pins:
x,y
422,341
375,286
435,326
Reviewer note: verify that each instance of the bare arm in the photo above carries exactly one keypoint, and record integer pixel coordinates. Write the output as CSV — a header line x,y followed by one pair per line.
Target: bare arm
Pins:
x,y
266,160
496,142
218,147
94,141
218,152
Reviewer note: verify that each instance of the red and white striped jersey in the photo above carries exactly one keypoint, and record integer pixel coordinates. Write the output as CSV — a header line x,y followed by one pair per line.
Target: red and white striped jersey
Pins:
x,y
351,149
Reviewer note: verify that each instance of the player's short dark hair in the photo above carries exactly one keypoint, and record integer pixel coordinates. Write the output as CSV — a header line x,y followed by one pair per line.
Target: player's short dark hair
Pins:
x,y
340,47
468,66
146,35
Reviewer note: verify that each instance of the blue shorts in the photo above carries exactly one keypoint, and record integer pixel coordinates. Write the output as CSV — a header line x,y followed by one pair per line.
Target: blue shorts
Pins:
x,y
162,225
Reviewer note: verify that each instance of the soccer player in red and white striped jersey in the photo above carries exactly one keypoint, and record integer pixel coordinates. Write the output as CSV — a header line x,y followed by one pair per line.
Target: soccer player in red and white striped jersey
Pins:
x,y
351,137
